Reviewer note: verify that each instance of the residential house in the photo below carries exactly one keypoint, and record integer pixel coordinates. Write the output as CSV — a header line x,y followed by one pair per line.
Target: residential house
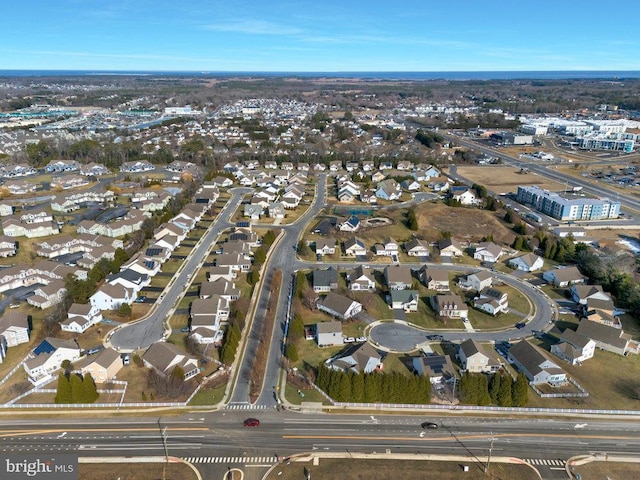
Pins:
x,y
388,248
434,278
581,293
224,288
276,210
535,365
476,358
6,209
339,306
464,194
7,246
325,280
450,306
206,316
529,262
354,247
165,357
47,358
57,166
94,169
406,300
351,224
410,185
492,301
398,277
48,295
103,367
606,337
573,347
360,279
236,261
564,277
111,297
80,317
136,167
357,358
325,246
227,273
389,189
602,311
14,330
487,252
477,281
450,248
130,279
417,248
438,368
329,334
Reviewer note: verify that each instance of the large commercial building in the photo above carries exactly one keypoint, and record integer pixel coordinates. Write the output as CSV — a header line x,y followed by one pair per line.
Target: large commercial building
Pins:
x,y
615,142
567,207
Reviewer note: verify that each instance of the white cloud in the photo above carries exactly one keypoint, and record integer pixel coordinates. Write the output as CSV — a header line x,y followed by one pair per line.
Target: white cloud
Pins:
x,y
253,27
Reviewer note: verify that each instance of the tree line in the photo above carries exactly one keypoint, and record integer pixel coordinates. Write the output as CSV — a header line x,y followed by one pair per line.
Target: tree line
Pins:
x,y
497,389
374,387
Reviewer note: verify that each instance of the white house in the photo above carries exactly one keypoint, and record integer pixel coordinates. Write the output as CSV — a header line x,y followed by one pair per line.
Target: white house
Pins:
x,y
529,262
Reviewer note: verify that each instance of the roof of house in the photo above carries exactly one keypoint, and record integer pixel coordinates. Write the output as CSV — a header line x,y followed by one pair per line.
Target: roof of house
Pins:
x,y
436,365
528,259
600,332
337,303
161,355
470,347
357,355
574,338
398,274
104,358
568,274
13,319
529,356
325,277
333,326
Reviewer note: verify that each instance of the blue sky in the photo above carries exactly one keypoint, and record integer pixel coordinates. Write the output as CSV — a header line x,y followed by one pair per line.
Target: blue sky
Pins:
x,y
324,35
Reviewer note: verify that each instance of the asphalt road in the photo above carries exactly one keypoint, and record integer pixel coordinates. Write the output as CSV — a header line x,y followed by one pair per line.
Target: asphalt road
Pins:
x,y
282,257
221,435
151,329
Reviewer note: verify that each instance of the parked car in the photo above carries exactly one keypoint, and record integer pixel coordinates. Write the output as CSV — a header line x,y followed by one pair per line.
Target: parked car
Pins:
x,y
251,422
520,325
185,330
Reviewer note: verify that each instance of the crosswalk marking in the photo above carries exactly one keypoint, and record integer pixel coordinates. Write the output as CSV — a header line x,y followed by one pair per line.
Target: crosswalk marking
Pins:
x,y
228,460
245,406
545,462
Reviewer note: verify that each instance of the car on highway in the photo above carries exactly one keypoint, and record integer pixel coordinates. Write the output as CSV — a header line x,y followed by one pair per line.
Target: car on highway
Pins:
x,y
251,422
429,425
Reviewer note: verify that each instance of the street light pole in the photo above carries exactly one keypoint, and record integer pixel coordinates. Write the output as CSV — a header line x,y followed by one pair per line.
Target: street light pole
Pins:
x,y
486,468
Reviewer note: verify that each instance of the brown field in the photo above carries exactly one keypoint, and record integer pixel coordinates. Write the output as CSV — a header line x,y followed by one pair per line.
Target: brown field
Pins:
x,y
470,224
608,470
504,179
356,469
135,471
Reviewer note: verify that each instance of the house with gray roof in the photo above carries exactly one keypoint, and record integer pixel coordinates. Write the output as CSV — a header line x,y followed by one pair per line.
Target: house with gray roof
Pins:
x,y
535,365
406,300
529,262
564,277
165,357
360,279
329,334
476,358
607,337
325,280
357,358
339,306
438,368
573,347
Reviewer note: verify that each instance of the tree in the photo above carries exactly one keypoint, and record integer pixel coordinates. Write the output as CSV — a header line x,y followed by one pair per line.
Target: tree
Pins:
x,y
504,395
301,283
508,216
253,277
412,220
296,328
76,388
63,391
494,388
89,389
269,238
259,256
520,391
292,352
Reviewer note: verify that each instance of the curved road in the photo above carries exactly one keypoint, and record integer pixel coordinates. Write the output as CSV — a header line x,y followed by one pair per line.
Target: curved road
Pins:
x,y
151,329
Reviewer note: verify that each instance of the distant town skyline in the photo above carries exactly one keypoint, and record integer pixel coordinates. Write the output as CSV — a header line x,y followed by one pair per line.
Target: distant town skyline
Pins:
x,y
328,36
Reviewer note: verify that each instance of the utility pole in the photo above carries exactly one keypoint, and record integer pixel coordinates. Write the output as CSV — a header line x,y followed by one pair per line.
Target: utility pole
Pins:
x,y
486,468
453,391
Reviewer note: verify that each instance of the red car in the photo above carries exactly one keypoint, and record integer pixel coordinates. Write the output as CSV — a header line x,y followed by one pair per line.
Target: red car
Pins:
x,y
251,422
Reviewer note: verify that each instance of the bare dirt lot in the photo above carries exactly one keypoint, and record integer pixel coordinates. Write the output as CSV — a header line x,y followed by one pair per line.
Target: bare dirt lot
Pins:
x,y
135,471
505,179
464,223
361,469
608,470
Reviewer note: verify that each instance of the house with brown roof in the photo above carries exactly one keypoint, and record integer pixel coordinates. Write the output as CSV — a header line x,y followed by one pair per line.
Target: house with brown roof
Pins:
x,y
361,279
165,357
329,334
111,297
476,358
48,295
450,306
103,367
438,368
434,278
222,287
450,248
14,330
325,246
529,262
535,365
7,246
80,317
398,277
477,281
581,293
487,252
417,248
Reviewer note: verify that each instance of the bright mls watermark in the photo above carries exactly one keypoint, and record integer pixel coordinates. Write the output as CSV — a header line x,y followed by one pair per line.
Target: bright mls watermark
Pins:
x,y
45,467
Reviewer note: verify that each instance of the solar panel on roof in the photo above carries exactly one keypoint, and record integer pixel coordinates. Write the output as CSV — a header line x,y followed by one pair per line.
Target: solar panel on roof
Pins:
x,y
44,347
243,224
152,252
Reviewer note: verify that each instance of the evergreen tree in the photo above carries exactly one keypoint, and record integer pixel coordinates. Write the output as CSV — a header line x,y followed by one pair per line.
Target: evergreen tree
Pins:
x,y
371,388
504,395
63,392
89,389
259,256
253,277
483,390
494,388
269,238
296,328
301,283
520,391
76,388
292,352
358,388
